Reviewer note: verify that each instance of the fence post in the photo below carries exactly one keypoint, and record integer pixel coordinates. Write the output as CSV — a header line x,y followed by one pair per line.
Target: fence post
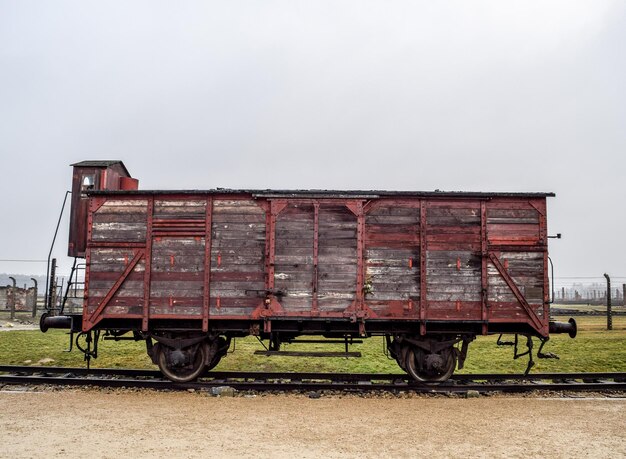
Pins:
x,y
49,294
34,297
609,312
11,297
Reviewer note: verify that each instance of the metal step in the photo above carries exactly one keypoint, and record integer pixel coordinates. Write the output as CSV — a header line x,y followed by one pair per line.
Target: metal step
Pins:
x,y
307,354
324,341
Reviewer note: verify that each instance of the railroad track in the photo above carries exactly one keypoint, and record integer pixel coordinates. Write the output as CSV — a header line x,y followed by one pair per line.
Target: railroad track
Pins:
x,y
271,381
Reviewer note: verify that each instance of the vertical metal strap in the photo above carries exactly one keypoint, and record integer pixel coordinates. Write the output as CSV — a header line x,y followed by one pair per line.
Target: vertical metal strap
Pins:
x,y
545,319
148,266
484,272
208,238
540,206
423,265
360,248
266,258
316,225
87,264
271,255
543,239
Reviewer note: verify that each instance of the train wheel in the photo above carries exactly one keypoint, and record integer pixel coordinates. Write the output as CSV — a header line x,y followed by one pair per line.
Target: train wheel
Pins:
x,y
213,363
222,345
398,352
401,357
182,365
430,367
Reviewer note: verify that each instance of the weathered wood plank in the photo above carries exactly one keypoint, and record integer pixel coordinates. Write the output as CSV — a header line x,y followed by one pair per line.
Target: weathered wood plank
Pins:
x,y
179,212
116,268
443,281
394,211
447,246
513,229
243,236
123,291
189,310
236,244
387,269
239,277
294,226
286,284
460,205
241,312
379,295
119,218
178,276
391,253
385,238
383,220
106,284
331,225
507,213
405,287
259,227
239,218
237,210
509,204
119,231
119,206
229,302
389,228
219,203
111,277
235,292
113,256
237,257
329,269
388,262
176,288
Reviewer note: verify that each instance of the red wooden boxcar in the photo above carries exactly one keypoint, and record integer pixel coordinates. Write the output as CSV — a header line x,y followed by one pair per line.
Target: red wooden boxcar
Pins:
x,y
189,270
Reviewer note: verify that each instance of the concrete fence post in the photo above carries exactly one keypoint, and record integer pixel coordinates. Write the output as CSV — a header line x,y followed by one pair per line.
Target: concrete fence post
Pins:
x,y
609,312
34,297
11,297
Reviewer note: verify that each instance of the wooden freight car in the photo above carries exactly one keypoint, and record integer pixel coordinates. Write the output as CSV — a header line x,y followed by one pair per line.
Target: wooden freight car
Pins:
x,y
189,270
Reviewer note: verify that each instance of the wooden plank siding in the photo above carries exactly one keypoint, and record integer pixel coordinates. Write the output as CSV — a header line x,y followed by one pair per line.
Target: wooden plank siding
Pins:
x,y
116,221
337,259
120,220
293,265
315,254
516,224
453,260
237,279
392,259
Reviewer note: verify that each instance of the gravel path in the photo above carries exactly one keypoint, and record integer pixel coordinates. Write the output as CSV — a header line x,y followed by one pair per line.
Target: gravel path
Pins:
x,y
93,423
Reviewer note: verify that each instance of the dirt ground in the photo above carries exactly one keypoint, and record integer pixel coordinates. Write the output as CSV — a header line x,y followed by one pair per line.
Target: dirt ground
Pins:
x,y
92,423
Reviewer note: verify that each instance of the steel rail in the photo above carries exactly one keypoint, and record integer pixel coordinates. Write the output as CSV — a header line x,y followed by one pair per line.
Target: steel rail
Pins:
x,y
259,375
272,381
263,386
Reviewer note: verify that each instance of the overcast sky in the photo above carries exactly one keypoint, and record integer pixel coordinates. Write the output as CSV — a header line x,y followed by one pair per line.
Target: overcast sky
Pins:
x,y
473,96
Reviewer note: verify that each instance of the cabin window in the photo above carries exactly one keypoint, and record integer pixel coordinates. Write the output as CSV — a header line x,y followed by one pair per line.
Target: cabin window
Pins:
x,y
87,183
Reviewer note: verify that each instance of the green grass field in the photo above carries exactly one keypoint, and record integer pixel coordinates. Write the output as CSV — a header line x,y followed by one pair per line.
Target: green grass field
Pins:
x,y
594,349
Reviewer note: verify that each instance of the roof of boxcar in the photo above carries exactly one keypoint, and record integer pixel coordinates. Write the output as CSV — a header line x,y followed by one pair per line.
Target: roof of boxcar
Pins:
x,y
337,194
101,163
